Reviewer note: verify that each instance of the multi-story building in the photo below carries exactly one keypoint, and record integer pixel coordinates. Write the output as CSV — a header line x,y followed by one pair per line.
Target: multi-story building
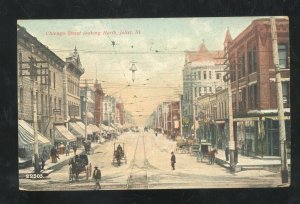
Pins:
x,y
120,116
109,110
253,85
99,95
202,74
48,75
87,104
71,75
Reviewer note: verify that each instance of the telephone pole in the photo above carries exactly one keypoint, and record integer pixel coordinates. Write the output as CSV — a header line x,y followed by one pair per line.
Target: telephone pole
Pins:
x,y
32,70
282,136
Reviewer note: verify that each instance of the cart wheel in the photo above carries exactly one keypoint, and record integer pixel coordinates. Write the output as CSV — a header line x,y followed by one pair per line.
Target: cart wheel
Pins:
x,y
70,174
90,170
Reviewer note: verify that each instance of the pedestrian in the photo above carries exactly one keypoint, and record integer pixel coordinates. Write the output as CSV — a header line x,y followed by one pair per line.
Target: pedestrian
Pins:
x,y
74,149
97,177
53,154
173,160
44,157
227,153
67,149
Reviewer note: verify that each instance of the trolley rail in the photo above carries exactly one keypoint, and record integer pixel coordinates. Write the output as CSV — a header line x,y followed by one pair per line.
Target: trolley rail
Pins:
x,y
138,177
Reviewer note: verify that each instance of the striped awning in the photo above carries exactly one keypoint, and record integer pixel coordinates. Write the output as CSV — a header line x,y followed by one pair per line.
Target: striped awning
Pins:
x,y
26,134
63,134
94,128
76,130
82,126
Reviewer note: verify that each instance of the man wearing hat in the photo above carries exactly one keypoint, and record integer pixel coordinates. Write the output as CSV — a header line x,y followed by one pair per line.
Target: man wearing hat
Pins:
x,y
173,160
97,177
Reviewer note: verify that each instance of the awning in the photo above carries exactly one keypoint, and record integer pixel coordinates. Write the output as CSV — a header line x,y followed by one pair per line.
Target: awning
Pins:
x,y
26,135
76,130
220,121
90,115
246,119
94,128
276,117
82,126
63,134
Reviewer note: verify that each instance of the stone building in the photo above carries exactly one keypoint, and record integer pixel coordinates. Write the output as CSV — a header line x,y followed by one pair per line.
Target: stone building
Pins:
x,y
71,75
49,94
202,74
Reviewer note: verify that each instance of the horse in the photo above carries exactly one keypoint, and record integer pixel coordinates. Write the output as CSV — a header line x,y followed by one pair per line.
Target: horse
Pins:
x,y
211,156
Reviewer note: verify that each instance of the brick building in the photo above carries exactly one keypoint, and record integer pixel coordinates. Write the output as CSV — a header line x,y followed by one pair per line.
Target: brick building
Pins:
x,y
254,89
99,95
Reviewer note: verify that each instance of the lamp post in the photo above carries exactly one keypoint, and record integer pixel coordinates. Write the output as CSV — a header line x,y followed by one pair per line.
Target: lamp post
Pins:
x,y
284,169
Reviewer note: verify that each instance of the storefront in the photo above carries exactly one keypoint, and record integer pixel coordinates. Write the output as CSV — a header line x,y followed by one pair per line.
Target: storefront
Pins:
x,y
78,132
63,135
26,142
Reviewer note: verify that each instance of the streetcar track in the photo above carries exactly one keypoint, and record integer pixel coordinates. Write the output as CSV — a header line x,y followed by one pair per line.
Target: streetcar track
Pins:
x,y
138,176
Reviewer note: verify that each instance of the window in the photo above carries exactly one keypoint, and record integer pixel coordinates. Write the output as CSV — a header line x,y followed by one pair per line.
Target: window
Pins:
x,y
282,53
209,74
242,67
204,89
53,79
50,106
49,78
252,99
250,62
204,74
21,95
218,75
54,103
199,74
200,91
254,56
195,91
210,90
286,94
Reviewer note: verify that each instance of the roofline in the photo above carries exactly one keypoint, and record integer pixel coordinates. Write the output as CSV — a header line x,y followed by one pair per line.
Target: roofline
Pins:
x,y
52,54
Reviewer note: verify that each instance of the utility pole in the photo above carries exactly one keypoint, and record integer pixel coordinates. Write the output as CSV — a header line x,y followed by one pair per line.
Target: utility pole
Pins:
x,y
180,115
85,129
231,143
284,169
32,70
194,118
35,132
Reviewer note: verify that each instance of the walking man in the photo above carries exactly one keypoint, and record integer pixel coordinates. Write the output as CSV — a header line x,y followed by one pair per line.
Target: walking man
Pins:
x,y
173,160
97,177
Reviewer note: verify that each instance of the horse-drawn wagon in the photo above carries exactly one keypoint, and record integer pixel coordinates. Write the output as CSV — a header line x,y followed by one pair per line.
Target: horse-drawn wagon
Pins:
x,y
207,152
182,146
119,154
79,164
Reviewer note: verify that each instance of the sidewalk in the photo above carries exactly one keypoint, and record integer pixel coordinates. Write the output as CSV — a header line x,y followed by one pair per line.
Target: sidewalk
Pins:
x,y
251,163
50,167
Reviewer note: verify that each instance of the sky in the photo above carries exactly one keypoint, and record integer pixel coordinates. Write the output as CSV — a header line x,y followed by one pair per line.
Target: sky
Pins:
x,y
155,47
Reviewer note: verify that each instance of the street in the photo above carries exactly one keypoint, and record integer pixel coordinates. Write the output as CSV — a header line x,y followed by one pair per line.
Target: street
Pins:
x,y
148,167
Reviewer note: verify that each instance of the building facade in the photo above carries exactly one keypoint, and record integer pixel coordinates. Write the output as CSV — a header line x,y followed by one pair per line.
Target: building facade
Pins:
x,y
253,87
48,74
99,96
72,72
202,74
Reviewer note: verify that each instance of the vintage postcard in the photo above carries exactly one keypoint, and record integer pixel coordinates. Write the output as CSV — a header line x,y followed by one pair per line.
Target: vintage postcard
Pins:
x,y
153,103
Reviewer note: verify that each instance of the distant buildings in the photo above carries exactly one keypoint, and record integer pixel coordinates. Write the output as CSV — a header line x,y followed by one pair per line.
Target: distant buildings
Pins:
x,y
202,74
